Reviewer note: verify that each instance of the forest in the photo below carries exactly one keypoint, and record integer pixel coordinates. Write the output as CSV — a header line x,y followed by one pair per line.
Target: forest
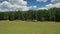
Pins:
x,y
52,14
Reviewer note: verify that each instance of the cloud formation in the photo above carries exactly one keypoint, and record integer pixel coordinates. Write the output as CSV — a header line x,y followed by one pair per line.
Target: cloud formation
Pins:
x,y
14,5
57,5
43,8
18,2
42,0
11,5
56,1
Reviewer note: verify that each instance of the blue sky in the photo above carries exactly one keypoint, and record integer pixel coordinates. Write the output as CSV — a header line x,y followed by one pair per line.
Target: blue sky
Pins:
x,y
34,2
28,4
39,4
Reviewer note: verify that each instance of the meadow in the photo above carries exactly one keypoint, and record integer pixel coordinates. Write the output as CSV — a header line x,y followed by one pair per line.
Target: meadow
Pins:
x,y
24,27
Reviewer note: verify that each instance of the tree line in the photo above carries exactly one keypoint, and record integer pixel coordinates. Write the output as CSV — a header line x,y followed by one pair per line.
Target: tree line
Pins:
x,y
52,14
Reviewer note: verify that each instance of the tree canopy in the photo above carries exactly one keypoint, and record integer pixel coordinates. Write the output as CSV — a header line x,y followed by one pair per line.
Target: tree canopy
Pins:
x,y
52,14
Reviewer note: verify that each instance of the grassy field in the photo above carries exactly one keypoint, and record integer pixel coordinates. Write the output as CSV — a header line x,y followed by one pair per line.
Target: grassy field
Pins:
x,y
22,27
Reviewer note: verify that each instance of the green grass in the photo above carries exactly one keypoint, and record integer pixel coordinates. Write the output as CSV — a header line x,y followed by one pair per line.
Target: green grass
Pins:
x,y
22,27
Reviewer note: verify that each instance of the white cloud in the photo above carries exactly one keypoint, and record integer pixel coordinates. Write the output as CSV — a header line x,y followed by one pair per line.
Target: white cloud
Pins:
x,y
57,1
53,5
19,2
14,5
57,5
33,6
50,6
42,0
42,8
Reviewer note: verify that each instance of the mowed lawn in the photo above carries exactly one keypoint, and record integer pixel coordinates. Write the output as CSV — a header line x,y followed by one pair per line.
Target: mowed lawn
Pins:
x,y
23,27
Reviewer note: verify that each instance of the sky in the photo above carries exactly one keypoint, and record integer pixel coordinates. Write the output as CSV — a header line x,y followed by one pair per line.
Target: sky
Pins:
x,y
25,5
